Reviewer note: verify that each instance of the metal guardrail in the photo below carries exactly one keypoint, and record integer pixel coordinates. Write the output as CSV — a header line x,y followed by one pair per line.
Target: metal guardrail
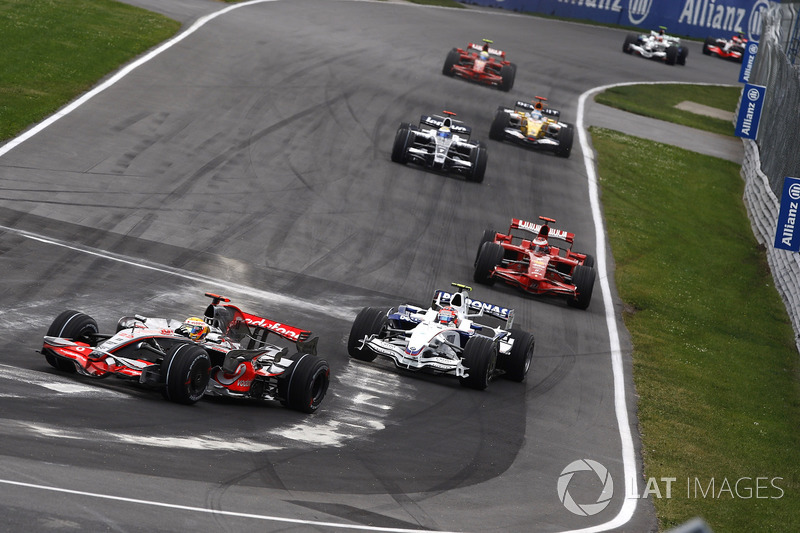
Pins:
x,y
775,154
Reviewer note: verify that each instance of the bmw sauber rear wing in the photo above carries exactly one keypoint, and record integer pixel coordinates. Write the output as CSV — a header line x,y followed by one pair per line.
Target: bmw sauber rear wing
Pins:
x,y
438,122
534,228
485,308
545,111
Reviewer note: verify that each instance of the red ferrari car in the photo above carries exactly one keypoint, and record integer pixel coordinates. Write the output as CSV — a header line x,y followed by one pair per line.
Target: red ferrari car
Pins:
x,y
224,353
537,259
481,64
732,48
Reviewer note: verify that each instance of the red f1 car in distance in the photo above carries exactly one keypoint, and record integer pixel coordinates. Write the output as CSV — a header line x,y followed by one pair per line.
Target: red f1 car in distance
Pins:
x,y
225,353
481,64
732,48
532,262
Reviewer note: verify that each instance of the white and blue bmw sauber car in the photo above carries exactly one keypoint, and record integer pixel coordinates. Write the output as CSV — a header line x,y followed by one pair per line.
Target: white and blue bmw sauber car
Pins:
x,y
445,339
442,144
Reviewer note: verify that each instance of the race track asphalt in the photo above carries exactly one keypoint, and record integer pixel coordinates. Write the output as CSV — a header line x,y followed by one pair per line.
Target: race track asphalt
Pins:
x,y
252,159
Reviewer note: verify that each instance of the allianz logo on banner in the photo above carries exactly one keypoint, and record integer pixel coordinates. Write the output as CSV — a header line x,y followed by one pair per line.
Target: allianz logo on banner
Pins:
x,y
720,15
731,16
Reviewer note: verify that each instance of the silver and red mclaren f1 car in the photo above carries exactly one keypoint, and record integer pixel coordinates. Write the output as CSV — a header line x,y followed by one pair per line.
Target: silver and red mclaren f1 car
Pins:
x,y
455,336
732,48
537,259
481,64
225,353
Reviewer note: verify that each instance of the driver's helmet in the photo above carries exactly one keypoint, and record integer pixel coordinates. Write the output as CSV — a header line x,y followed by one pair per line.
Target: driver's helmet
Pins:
x,y
539,245
484,55
447,316
536,115
194,328
444,132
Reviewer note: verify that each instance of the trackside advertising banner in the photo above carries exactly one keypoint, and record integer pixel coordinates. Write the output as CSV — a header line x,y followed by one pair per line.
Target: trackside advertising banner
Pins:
x,y
748,58
787,234
750,111
693,18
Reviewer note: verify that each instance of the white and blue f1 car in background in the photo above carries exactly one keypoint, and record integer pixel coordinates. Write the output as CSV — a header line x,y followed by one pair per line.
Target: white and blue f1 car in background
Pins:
x,y
442,144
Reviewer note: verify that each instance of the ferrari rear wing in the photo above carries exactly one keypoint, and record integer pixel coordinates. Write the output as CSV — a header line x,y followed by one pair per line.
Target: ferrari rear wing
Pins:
x,y
438,122
493,310
534,228
493,51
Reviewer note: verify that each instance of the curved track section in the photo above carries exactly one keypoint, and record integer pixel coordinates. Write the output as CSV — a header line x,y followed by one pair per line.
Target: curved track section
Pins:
x,y
252,159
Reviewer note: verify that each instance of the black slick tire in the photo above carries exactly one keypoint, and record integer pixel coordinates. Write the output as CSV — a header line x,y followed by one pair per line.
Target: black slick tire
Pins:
x,y
185,370
519,360
480,358
369,321
490,255
304,385
75,326
583,279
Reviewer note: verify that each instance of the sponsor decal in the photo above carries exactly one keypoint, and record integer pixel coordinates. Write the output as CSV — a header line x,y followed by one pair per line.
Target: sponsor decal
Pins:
x,y
722,15
786,232
608,5
750,111
535,228
638,10
476,305
748,58
277,327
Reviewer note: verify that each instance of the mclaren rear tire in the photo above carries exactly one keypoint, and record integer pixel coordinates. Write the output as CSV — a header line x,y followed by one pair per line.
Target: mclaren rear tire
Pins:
x,y
304,385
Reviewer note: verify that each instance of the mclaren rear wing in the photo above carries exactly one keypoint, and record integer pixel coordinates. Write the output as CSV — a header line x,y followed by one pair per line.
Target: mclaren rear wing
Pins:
x,y
290,333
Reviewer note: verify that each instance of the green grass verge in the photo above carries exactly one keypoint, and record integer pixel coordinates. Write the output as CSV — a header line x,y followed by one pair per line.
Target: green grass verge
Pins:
x,y
715,364
54,50
659,101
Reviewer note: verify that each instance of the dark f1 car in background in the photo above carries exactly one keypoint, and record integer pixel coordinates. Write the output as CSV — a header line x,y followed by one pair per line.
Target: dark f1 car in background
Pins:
x,y
481,64
532,262
452,337
533,125
442,144
225,353
732,48
656,45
